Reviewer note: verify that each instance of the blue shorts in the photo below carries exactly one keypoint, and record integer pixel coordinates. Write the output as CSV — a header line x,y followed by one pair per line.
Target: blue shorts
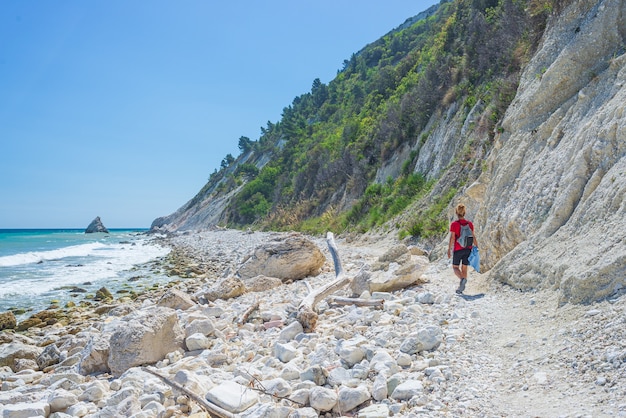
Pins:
x,y
461,256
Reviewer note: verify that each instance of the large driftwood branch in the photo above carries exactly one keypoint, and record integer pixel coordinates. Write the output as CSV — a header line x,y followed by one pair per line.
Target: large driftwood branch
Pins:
x,y
306,311
211,408
377,303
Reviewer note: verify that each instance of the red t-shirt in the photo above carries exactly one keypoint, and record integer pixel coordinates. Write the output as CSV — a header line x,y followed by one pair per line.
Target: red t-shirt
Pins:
x,y
455,228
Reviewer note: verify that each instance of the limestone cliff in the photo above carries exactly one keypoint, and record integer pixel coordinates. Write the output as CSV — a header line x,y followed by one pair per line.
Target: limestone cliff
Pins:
x,y
551,206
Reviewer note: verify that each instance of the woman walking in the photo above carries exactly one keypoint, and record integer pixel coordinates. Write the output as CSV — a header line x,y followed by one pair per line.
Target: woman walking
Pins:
x,y
460,246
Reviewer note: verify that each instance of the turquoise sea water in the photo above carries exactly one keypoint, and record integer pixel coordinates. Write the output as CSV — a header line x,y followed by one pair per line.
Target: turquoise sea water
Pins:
x,y
38,266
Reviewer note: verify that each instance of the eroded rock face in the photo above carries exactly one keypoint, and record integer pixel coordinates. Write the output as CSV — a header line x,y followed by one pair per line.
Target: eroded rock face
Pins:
x,y
550,210
293,258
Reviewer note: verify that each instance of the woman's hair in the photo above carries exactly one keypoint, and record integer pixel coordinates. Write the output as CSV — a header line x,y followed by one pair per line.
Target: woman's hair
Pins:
x,y
460,210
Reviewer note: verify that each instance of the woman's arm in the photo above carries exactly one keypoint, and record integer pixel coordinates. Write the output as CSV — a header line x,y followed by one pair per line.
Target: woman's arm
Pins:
x,y
451,244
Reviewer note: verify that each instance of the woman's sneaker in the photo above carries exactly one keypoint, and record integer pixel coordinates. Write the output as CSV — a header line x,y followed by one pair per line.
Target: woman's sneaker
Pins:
x,y
461,286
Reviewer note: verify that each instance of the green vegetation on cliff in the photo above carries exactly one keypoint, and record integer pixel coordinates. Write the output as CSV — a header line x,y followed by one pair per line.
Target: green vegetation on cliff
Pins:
x,y
316,168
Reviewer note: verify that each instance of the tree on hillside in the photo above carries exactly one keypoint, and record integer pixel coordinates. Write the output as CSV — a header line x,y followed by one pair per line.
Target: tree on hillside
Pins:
x,y
319,91
245,144
228,160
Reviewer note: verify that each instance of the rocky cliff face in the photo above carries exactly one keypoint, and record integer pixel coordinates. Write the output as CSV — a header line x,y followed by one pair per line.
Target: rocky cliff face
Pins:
x,y
207,207
203,210
550,208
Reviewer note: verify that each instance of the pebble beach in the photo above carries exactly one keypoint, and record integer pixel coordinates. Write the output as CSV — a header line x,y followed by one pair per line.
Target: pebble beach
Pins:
x,y
495,352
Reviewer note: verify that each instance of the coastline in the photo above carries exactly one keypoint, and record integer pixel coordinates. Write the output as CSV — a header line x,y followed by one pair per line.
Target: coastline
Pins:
x,y
365,356
52,268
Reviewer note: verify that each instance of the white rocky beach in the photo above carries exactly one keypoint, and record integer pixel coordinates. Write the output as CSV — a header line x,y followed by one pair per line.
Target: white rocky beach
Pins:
x,y
526,126
226,341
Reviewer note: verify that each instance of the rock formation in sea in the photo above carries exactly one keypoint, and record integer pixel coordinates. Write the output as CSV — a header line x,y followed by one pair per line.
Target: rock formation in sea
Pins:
x,y
96,226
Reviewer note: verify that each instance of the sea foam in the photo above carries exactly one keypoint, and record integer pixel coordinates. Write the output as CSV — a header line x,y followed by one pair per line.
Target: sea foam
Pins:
x,y
82,250
32,279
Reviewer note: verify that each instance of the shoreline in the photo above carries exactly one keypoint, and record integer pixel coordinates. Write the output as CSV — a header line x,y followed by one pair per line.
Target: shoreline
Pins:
x,y
186,262
136,279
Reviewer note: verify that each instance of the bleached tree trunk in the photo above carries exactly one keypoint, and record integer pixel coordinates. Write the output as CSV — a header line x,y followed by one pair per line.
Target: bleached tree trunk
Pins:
x,y
306,311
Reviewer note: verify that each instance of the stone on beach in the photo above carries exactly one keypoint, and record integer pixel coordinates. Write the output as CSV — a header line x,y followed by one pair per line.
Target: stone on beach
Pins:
x,y
315,374
41,319
395,276
200,326
425,339
176,299
49,356
374,411
396,269
293,258
11,352
350,398
285,352
232,397
323,399
103,294
94,392
197,341
227,288
23,364
35,409
7,320
305,413
261,283
382,362
406,390
144,338
61,399
351,351
94,357
290,331
197,383
277,387
379,388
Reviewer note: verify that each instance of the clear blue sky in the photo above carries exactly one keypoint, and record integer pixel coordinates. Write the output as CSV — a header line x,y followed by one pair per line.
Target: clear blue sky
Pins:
x,y
123,109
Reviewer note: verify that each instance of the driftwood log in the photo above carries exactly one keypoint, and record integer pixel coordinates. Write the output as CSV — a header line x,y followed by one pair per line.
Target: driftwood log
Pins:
x,y
211,408
306,311
337,300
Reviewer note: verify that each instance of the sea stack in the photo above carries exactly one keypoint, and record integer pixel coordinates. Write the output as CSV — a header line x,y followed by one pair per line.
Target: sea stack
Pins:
x,y
96,226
